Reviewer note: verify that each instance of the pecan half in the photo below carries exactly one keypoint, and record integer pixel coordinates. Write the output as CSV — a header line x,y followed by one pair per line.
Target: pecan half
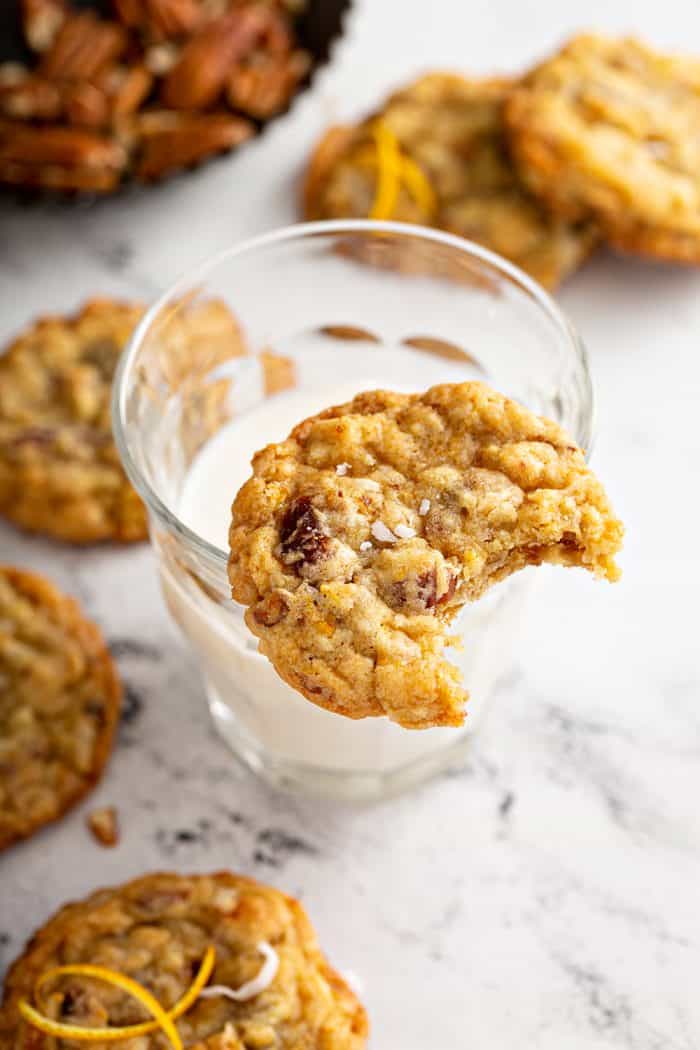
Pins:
x,y
170,141
83,46
159,19
261,89
59,158
41,21
198,77
304,538
125,87
32,98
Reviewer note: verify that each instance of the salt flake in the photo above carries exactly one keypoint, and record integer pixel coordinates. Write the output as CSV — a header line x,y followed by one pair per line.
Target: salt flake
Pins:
x,y
365,545
250,989
424,507
342,469
382,533
404,532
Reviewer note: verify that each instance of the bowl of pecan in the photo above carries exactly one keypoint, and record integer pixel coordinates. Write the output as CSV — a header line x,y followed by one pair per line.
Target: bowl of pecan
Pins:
x,y
95,96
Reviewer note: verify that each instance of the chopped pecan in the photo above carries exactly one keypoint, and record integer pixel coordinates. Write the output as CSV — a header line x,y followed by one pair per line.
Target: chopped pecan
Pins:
x,y
159,19
428,592
198,77
169,141
271,609
83,46
421,593
265,87
59,158
41,21
304,538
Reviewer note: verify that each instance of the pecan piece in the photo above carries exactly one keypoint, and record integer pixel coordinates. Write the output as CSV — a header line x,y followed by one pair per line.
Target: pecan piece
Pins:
x,y
125,87
159,19
169,141
304,538
59,158
32,98
83,46
429,593
261,89
271,609
41,21
199,75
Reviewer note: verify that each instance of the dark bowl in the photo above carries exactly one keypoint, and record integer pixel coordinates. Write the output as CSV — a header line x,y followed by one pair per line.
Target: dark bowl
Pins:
x,y
317,29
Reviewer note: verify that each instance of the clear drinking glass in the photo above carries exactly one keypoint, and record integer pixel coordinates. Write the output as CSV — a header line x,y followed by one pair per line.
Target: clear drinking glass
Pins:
x,y
354,305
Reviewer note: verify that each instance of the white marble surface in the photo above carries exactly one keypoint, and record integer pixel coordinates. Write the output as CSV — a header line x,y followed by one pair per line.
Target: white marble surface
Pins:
x,y
548,895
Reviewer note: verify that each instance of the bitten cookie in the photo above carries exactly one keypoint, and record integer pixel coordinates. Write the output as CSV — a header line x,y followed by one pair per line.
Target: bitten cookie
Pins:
x,y
59,704
157,931
359,538
435,154
610,128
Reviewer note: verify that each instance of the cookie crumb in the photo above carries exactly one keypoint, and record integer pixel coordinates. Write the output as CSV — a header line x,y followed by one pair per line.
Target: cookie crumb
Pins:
x,y
382,533
342,469
104,826
405,532
424,507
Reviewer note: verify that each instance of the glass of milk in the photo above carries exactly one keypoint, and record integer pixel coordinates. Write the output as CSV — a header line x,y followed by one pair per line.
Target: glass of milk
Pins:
x,y
351,306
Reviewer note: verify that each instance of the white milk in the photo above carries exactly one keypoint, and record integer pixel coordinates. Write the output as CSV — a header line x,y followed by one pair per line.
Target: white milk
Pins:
x,y
261,716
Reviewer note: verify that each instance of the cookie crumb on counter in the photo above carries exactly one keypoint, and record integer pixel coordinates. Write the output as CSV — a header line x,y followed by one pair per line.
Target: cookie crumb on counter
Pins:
x,y
104,826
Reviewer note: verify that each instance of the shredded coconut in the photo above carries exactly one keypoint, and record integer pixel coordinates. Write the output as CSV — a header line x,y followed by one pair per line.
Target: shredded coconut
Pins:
x,y
365,545
342,469
382,533
424,507
250,989
404,532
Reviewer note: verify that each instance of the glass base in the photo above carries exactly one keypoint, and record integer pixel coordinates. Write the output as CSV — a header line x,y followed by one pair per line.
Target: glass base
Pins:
x,y
342,785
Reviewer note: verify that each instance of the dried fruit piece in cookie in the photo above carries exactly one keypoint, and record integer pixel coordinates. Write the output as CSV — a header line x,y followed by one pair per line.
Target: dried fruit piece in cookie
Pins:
x,y
59,704
156,930
446,131
359,538
611,128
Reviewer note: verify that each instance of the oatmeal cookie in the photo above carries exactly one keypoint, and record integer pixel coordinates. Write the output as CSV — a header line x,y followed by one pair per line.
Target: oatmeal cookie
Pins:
x,y
359,538
59,469
59,704
610,128
156,931
60,473
446,142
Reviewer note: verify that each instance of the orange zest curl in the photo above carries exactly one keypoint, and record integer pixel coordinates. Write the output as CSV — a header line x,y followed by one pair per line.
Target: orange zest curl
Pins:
x,y
393,171
161,1018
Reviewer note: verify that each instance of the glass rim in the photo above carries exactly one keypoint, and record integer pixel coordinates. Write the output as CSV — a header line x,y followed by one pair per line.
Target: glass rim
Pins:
x,y
293,232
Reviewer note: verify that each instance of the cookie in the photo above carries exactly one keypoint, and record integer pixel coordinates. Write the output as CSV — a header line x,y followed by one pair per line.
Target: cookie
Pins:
x,y
359,538
156,931
59,469
611,129
59,704
60,473
435,154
